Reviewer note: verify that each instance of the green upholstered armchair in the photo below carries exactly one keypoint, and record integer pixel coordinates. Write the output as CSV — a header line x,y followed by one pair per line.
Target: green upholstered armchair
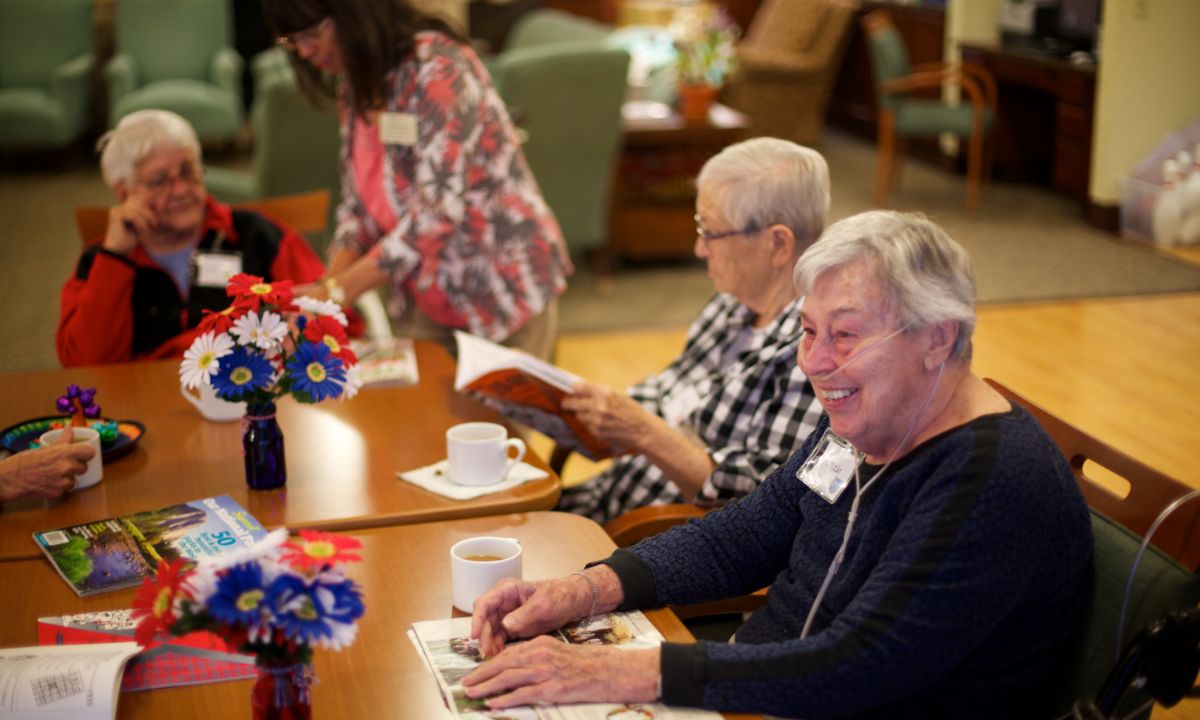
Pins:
x,y
177,55
46,66
565,90
787,64
901,115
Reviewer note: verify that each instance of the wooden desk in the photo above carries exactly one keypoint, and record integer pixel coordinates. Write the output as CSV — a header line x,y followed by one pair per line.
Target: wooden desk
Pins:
x,y
405,578
342,456
1045,112
655,195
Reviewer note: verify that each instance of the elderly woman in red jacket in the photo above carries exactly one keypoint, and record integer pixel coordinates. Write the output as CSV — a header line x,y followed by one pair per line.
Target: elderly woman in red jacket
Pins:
x,y
139,292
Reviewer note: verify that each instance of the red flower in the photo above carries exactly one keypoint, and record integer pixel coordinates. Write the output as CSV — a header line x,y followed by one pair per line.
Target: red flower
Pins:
x,y
219,322
324,329
154,605
250,291
316,550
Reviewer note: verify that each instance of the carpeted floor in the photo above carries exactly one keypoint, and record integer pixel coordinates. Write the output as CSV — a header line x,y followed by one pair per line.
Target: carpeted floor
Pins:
x,y
1028,244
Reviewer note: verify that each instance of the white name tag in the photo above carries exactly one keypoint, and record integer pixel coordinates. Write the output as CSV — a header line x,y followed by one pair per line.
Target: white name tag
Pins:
x,y
830,467
397,128
213,269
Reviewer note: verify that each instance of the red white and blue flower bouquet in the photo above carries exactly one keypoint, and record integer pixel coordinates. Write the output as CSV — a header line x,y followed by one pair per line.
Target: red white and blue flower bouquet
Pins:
x,y
277,601
265,345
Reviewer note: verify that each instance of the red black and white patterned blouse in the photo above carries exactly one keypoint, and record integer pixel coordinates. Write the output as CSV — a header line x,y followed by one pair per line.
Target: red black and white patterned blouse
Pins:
x,y
474,245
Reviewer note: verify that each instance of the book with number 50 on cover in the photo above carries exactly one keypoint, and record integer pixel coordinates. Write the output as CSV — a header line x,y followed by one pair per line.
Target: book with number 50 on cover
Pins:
x,y
118,552
525,389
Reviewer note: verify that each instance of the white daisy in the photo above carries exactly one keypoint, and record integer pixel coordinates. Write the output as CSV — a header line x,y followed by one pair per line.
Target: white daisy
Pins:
x,y
265,332
352,383
200,360
322,307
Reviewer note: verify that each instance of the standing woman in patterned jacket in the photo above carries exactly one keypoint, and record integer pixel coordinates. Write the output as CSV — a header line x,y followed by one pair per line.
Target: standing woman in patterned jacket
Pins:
x,y
437,198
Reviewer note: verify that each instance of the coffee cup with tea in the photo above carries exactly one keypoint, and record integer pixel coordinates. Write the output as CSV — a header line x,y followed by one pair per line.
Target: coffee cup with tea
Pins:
x,y
478,453
85,436
212,407
478,563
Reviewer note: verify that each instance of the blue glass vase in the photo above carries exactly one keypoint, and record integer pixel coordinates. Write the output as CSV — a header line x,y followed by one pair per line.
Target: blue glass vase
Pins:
x,y
262,446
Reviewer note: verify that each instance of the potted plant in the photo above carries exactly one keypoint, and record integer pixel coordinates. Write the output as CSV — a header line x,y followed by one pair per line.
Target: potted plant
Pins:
x,y
704,38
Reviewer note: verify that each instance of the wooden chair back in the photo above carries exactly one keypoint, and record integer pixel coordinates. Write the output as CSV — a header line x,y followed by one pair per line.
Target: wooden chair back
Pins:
x,y
1150,491
307,213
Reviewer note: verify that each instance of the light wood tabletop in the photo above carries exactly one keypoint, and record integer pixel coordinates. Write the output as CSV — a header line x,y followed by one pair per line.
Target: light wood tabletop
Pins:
x,y
342,456
405,578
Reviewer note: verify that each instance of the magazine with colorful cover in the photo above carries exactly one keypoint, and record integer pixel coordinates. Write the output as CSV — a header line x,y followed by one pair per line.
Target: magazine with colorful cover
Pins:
x,y
386,362
451,655
198,657
525,389
118,552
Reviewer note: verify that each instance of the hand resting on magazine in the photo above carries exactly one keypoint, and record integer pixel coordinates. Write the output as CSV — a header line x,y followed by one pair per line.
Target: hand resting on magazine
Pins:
x,y
545,669
620,421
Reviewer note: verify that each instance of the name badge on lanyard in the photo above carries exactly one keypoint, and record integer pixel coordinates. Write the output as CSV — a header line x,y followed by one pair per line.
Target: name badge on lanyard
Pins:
x,y
830,466
397,128
214,268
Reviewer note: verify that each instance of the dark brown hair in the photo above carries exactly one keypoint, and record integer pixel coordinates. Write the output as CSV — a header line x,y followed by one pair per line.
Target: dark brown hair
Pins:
x,y
374,36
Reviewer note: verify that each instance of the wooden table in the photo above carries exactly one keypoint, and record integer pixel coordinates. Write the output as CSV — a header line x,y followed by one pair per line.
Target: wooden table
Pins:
x,y
342,456
405,578
654,195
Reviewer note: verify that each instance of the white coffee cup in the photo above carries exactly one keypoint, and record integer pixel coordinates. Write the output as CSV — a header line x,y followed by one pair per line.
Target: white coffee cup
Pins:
x,y
478,453
95,466
478,563
212,407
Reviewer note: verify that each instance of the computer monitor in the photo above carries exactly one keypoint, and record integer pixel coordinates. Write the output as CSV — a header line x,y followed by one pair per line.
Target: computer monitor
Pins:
x,y
1078,21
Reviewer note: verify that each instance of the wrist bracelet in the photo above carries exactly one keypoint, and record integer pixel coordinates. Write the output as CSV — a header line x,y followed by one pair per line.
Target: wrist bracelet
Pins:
x,y
595,592
334,290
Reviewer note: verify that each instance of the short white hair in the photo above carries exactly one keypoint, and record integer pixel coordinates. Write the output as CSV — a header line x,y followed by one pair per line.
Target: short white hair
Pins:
x,y
926,276
767,181
136,136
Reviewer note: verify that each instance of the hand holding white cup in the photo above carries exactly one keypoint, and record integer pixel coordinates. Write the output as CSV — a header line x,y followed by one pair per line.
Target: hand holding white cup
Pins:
x,y
80,435
478,563
478,453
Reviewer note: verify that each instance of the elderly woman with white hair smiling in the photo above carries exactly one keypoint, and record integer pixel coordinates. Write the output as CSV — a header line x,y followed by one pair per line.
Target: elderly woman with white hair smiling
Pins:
x,y
732,406
927,548
140,291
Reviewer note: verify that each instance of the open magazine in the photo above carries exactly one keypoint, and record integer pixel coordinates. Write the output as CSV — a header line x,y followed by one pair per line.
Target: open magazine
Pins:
x,y
451,655
525,389
118,552
62,683
198,657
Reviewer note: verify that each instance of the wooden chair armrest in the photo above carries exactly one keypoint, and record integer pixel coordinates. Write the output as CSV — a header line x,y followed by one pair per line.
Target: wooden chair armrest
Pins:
x,y
742,604
929,79
639,523
984,78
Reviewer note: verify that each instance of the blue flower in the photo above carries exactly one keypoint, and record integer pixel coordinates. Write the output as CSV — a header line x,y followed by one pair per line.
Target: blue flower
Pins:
x,y
240,597
316,612
240,373
315,372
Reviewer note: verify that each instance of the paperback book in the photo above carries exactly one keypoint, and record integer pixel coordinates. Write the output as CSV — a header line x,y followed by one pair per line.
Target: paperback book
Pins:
x,y
199,657
62,683
525,389
451,655
386,362
118,552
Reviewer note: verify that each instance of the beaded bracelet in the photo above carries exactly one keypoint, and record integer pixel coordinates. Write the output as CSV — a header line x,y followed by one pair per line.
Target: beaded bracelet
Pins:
x,y
595,591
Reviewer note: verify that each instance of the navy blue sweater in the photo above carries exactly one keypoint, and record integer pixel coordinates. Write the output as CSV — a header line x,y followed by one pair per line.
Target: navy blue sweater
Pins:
x,y
962,582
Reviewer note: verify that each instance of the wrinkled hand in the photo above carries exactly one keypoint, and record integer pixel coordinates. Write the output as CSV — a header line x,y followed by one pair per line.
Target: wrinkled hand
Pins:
x,y
313,290
44,473
127,222
546,670
515,609
612,416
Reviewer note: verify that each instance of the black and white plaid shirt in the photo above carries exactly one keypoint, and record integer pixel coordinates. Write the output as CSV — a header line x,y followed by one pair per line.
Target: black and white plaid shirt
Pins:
x,y
739,391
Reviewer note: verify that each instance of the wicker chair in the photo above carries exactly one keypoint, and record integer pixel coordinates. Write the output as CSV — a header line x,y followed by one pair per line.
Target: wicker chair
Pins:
x,y
787,64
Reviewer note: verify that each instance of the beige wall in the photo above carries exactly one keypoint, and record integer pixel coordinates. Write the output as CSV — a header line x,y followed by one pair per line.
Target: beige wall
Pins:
x,y
1146,85
453,10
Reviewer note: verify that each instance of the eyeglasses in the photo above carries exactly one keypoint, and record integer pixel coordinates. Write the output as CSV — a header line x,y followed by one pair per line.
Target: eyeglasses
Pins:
x,y
163,182
292,41
707,236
